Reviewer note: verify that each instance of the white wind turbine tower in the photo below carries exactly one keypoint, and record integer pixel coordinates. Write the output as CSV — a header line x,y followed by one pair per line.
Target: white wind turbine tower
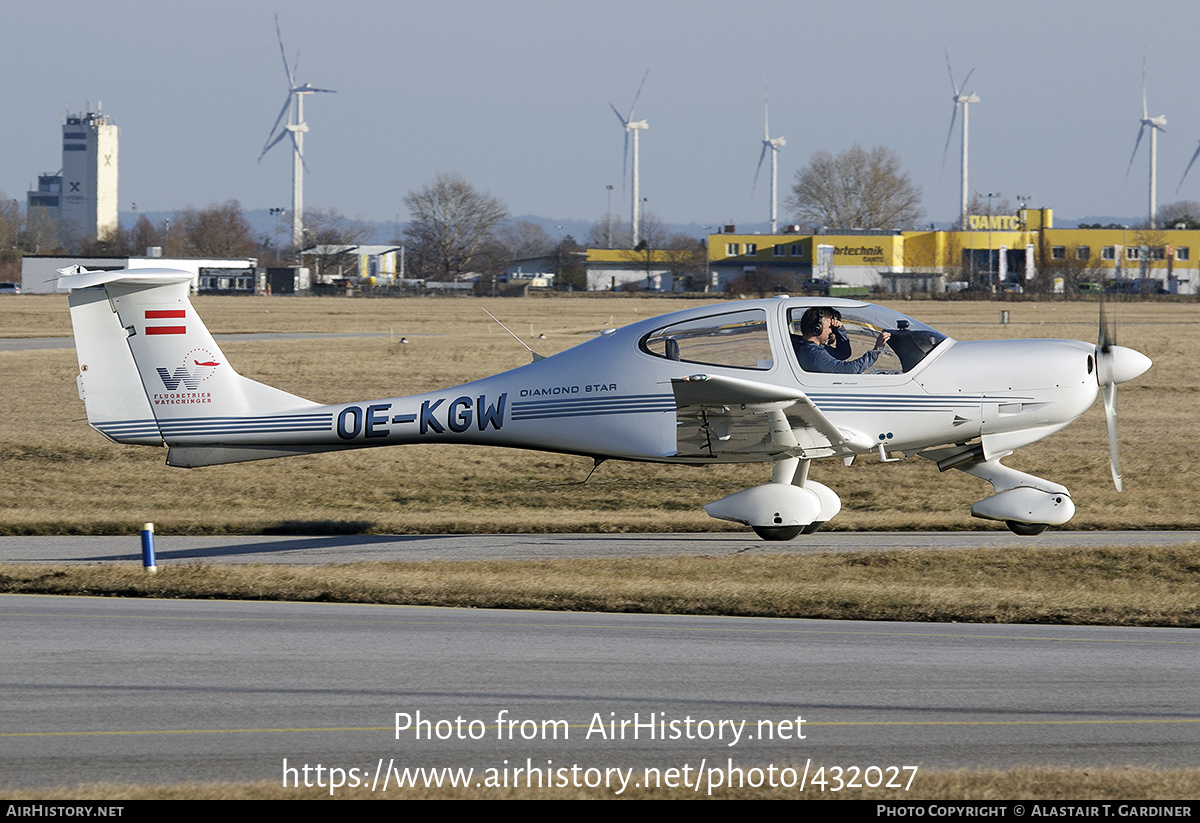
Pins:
x,y
296,127
634,127
772,145
1156,125
961,98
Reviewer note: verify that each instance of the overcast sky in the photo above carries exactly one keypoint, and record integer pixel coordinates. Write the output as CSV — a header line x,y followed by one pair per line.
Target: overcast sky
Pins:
x,y
515,96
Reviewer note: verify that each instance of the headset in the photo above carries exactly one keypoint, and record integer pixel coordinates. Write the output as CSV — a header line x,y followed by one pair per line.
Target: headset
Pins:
x,y
812,321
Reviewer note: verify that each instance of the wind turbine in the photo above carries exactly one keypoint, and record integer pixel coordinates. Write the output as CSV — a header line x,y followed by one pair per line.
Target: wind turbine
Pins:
x,y
1156,125
296,127
634,127
773,145
961,98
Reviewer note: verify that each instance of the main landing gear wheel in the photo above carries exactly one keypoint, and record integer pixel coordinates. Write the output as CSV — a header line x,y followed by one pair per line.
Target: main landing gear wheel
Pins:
x,y
777,532
1025,529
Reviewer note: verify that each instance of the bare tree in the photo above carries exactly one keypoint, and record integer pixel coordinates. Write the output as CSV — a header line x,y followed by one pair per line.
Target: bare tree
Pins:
x,y
10,239
523,239
44,234
451,220
1071,268
116,243
330,238
685,257
979,204
1186,212
652,236
145,235
219,230
331,227
857,189
571,263
610,233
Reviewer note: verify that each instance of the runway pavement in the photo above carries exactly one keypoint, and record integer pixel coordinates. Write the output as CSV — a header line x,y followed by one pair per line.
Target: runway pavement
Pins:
x,y
167,691
137,691
349,548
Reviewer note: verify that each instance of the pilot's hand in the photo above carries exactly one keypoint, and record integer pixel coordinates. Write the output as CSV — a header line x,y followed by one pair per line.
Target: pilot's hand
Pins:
x,y
883,338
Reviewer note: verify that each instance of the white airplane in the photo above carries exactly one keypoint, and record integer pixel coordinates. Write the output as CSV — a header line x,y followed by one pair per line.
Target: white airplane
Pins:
x,y
717,384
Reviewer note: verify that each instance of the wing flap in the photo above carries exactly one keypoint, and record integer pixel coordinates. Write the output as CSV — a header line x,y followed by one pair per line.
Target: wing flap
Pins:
x,y
730,417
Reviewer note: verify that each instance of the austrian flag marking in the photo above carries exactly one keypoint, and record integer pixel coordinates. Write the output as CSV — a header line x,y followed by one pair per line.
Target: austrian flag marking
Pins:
x,y
165,314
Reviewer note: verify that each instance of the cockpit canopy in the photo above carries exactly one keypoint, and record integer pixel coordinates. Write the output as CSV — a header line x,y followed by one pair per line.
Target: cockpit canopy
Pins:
x,y
741,338
910,339
737,339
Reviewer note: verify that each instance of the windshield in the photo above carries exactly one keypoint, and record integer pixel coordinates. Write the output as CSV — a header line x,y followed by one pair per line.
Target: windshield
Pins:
x,y
860,327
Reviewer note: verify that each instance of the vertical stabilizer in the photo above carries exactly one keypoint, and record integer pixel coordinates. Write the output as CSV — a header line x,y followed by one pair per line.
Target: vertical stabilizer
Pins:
x,y
149,370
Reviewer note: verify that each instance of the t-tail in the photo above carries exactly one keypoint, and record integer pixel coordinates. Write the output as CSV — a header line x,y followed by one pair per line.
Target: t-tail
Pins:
x,y
150,373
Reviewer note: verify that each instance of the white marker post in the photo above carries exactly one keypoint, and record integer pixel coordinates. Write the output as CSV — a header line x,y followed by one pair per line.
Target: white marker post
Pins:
x,y
148,548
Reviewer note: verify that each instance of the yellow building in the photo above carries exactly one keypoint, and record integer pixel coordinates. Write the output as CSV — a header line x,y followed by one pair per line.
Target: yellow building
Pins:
x,y
1021,252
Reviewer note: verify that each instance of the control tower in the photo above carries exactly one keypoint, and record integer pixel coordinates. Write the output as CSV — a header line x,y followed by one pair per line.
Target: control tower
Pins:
x,y
83,195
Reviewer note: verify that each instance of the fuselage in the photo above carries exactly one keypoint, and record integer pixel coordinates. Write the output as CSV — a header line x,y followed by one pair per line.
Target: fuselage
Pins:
x,y
612,396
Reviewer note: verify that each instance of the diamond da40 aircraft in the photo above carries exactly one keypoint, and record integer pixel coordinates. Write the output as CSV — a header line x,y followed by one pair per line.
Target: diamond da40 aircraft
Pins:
x,y
721,383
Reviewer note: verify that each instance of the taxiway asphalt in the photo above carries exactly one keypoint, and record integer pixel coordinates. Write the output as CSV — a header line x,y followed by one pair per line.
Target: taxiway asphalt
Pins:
x,y
351,548
146,691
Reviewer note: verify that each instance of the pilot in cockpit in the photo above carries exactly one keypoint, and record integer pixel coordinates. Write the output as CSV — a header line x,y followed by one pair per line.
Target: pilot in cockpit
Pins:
x,y
822,345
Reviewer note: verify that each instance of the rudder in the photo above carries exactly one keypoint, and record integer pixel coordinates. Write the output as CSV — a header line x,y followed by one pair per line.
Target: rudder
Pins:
x,y
148,366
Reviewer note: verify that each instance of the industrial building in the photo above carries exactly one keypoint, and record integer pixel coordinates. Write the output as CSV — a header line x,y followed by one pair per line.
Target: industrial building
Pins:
x,y
1016,253
82,195
374,263
996,253
39,273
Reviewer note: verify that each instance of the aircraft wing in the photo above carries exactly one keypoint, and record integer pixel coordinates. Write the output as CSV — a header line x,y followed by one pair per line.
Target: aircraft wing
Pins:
x,y
733,418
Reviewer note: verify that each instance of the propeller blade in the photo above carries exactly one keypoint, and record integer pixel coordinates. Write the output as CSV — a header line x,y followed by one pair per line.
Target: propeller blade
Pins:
x,y
271,145
1136,143
1109,393
1114,364
639,94
624,122
1189,168
1105,339
967,78
274,128
296,147
290,74
953,85
949,134
1106,334
761,157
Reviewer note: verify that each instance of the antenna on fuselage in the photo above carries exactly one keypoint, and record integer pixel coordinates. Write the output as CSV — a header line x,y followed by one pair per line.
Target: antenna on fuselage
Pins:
x,y
596,461
536,356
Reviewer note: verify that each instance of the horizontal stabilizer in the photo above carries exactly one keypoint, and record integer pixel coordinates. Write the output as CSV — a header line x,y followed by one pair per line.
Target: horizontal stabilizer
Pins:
x,y
191,457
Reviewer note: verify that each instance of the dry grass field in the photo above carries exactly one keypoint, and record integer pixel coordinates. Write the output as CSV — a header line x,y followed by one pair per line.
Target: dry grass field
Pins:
x,y
1129,586
61,477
